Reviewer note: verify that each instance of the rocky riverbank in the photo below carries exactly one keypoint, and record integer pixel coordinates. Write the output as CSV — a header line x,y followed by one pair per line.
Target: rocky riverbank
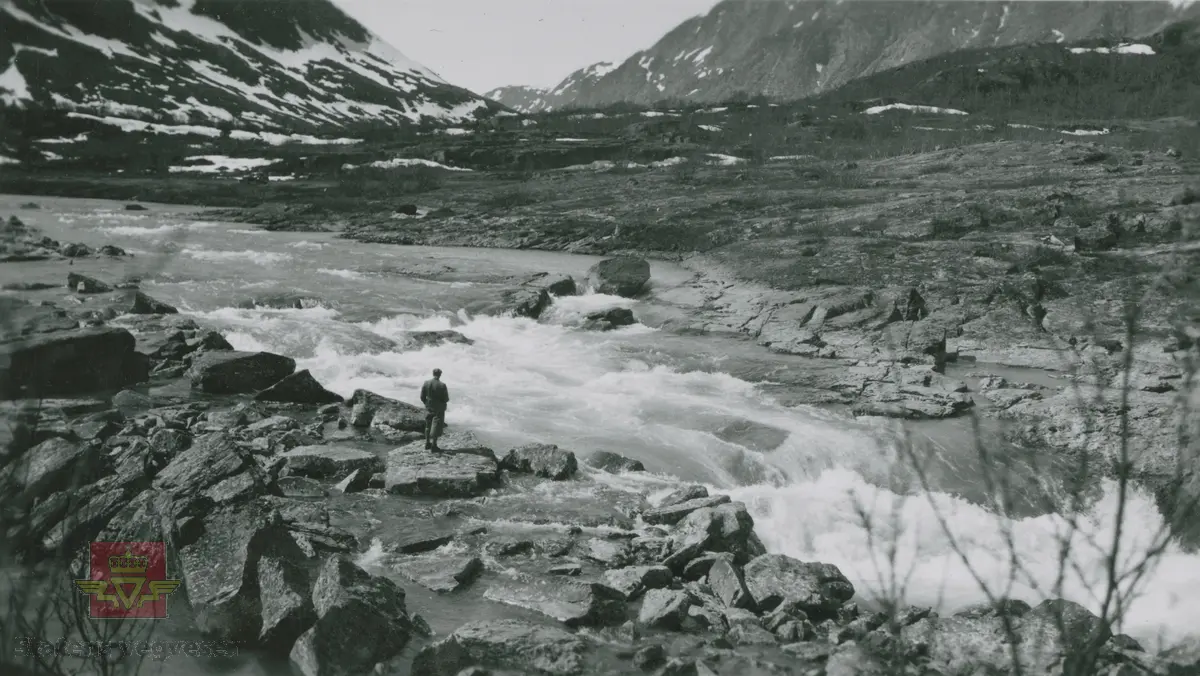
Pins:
x,y
132,422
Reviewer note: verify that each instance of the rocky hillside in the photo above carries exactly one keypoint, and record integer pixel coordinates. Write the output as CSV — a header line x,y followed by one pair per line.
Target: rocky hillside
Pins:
x,y
1155,76
577,85
789,50
266,64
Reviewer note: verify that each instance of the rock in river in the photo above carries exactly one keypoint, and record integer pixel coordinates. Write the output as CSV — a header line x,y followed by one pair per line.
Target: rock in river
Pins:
x,y
231,372
622,276
614,462
145,305
607,320
544,460
84,284
299,388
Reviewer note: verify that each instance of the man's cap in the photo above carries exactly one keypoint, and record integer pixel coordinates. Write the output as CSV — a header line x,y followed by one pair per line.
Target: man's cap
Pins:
x,y
437,372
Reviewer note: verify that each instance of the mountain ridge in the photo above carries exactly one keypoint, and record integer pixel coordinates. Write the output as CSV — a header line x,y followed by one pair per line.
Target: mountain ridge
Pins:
x,y
791,50
268,64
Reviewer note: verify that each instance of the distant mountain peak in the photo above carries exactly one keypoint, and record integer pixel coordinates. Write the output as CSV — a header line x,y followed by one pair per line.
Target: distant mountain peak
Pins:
x,y
798,48
256,63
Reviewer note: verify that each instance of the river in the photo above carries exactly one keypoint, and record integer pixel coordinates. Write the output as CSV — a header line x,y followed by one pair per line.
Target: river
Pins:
x,y
642,392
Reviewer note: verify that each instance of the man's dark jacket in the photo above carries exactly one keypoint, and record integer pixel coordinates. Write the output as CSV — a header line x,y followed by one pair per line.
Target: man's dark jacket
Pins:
x,y
435,395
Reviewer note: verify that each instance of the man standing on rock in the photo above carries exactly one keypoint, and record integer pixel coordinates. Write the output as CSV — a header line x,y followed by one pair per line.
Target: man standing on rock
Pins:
x,y
435,397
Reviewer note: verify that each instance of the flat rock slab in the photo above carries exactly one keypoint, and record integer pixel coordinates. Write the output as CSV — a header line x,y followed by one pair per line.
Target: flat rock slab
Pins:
x,y
459,470
509,645
330,462
676,513
575,604
442,574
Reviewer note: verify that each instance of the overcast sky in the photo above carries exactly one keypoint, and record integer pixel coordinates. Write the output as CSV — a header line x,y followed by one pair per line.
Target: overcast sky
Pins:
x,y
483,44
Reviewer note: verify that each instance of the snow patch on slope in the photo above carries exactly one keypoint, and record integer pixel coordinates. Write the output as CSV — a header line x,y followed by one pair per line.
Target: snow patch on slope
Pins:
x,y
875,110
1140,50
397,162
219,164
13,88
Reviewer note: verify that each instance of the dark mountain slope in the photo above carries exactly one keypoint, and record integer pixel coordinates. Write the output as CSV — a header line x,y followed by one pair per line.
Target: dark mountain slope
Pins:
x,y
259,64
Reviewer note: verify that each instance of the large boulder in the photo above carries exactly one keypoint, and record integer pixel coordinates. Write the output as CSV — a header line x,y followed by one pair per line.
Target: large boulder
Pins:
x,y
50,467
555,284
633,580
607,320
544,460
367,409
362,620
510,645
220,570
665,608
299,388
233,372
727,582
215,470
622,276
145,305
819,589
724,528
285,604
84,284
614,463
69,363
526,301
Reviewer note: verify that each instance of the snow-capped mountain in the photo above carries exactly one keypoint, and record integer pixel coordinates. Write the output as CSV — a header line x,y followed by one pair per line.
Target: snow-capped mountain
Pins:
x,y
523,98
792,49
577,85
258,64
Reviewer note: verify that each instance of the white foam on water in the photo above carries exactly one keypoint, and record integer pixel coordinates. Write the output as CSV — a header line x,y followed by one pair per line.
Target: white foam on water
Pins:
x,y
256,257
141,231
344,274
524,381
305,244
823,519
